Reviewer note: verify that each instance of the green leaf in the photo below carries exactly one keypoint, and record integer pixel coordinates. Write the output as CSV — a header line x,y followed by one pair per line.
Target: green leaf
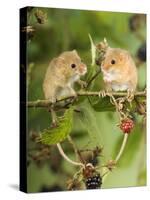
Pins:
x,y
93,50
58,134
89,122
103,105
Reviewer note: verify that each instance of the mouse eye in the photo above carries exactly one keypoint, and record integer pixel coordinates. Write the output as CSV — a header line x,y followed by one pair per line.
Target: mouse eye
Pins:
x,y
73,65
113,61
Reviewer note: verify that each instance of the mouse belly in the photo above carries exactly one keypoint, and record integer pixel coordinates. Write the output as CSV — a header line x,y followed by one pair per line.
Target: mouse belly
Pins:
x,y
111,77
119,87
65,92
62,93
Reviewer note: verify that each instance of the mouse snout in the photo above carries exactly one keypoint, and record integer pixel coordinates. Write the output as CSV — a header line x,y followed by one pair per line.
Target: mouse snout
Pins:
x,y
82,69
105,67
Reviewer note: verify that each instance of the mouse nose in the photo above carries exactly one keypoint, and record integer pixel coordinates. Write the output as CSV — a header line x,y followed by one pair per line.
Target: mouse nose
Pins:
x,y
105,67
83,69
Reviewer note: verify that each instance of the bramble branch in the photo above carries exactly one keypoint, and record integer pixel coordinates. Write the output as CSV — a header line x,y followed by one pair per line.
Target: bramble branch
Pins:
x,y
47,103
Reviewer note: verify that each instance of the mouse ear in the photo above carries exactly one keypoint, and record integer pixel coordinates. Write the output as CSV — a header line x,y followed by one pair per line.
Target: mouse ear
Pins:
x,y
75,52
124,55
60,60
109,49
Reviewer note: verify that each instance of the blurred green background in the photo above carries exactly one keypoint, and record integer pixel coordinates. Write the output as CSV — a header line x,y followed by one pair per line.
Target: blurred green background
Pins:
x,y
58,30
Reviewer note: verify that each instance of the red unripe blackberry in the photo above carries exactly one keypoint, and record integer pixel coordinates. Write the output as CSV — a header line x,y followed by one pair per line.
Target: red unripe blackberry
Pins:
x,y
127,125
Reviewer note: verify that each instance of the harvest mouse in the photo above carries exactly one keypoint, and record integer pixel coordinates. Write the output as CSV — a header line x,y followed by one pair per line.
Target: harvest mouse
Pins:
x,y
61,75
119,70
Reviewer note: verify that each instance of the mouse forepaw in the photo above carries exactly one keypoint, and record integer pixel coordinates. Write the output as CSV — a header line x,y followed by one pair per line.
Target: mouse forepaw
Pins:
x,y
102,93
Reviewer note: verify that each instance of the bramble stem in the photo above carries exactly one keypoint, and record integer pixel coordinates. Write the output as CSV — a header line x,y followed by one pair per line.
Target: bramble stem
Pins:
x,y
47,103
106,171
67,158
95,75
122,147
77,152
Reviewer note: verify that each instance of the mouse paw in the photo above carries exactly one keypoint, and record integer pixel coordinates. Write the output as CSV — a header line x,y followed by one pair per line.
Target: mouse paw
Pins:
x,y
83,84
102,93
54,124
74,96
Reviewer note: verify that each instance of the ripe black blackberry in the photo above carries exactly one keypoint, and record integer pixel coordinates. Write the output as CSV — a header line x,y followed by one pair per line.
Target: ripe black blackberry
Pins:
x,y
93,182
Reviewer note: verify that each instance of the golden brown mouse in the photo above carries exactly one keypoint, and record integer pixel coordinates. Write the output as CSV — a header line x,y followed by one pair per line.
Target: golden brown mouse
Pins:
x,y
61,75
119,70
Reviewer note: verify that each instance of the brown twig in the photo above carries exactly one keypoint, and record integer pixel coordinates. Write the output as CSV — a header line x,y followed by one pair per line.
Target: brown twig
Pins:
x,y
77,152
47,103
94,77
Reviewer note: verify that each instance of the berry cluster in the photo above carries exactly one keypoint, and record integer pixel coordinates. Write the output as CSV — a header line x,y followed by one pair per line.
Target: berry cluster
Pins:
x,y
127,125
94,182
